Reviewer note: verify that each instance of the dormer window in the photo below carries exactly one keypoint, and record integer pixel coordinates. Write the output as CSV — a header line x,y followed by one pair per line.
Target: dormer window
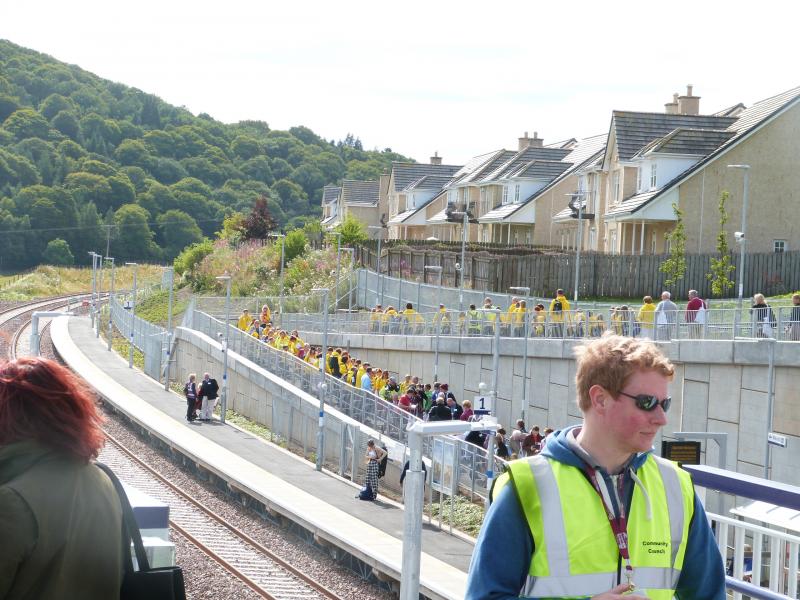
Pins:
x,y
653,177
505,194
639,179
516,194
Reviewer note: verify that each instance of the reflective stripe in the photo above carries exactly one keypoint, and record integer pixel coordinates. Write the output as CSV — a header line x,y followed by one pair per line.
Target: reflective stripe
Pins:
x,y
647,578
552,516
672,488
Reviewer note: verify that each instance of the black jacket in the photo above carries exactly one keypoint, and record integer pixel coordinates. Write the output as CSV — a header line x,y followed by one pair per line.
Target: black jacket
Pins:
x,y
440,412
209,389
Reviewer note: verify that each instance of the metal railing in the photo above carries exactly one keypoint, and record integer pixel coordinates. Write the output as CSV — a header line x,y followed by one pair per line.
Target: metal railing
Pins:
x,y
149,338
770,567
782,324
361,405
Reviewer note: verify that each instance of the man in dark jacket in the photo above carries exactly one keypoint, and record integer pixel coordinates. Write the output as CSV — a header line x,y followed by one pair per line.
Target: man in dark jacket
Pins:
x,y
440,411
208,396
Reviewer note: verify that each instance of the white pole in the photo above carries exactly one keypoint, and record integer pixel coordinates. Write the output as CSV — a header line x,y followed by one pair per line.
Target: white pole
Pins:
x,y
412,520
463,260
169,327
133,314
322,386
110,300
224,400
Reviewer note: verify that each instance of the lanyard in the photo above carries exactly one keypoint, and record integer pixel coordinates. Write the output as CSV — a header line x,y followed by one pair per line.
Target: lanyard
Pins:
x,y
619,524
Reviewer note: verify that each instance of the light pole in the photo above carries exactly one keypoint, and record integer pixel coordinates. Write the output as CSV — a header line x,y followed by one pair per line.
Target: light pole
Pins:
x,y
283,254
352,252
100,262
526,291
171,272
110,301
379,292
338,235
94,256
133,312
322,386
463,260
224,395
437,317
579,242
741,239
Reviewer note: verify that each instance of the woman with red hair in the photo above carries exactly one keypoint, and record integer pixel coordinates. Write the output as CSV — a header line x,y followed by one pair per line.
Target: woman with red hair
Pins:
x,y
61,523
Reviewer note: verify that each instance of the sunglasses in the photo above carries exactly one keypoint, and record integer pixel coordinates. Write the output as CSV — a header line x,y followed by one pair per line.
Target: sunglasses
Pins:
x,y
647,402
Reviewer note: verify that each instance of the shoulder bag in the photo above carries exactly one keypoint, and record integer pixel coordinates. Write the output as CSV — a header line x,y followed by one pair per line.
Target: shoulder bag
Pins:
x,y
162,583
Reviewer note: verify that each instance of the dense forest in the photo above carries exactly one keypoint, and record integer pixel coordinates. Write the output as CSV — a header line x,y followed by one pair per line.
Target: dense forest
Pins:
x,y
83,159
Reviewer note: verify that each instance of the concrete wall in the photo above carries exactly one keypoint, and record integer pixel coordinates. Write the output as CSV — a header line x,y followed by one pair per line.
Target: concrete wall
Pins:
x,y
718,386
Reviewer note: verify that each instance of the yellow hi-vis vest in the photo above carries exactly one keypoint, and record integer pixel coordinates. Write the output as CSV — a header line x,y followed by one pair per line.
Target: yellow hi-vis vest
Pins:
x,y
575,554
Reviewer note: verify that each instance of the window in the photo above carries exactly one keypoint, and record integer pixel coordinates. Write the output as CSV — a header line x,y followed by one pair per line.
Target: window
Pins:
x,y
505,194
516,193
653,238
465,194
613,242
615,187
653,178
639,179
779,245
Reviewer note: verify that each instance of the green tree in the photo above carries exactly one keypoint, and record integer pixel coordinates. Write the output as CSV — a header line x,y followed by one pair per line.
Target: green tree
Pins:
x,y
721,268
675,266
177,231
25,123
134,239
353,231
192,256
7,106
295,244
246,147
58,253
67,122
54,104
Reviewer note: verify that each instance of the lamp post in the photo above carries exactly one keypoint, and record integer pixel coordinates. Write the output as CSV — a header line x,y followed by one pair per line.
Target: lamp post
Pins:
x,y
579,242
93,308
133,312
338,235
283,254
741,239
224,395
100,262
167,368
526,291
322,386
110,300
463,260
352,252
379,292
437,317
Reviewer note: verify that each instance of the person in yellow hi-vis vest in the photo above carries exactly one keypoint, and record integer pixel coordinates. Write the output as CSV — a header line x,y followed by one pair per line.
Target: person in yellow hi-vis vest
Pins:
x,y
596,514
559,314
244,320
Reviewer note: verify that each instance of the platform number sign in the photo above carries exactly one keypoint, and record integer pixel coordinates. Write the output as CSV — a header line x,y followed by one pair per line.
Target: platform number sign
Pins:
x,y
482,405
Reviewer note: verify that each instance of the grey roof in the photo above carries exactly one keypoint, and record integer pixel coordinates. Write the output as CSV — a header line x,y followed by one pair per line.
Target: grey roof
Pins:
x,y
406,173
568,144
523,157
688,141
330,193
400,217
360,192
541,169
492,161
731,111
634,130
428,182
497,214
631,203
748,122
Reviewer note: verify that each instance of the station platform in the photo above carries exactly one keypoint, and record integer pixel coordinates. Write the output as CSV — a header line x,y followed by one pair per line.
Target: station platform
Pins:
x,y
322,503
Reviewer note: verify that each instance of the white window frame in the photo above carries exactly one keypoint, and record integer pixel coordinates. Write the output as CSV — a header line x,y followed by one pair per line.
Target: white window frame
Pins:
x,y
653,175
653,242
516,193
615,187
779,246
465,195
505,194
639,178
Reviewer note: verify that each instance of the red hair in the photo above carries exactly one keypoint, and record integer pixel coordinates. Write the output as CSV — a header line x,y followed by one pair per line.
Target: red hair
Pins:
x,y
41,400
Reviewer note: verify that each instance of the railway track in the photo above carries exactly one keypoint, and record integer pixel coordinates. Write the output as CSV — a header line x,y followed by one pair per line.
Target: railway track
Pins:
x,y
15,321
256,566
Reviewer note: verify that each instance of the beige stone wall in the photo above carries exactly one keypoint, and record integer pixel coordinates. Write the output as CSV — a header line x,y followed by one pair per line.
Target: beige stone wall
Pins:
x,y
774,193
548,205
367,215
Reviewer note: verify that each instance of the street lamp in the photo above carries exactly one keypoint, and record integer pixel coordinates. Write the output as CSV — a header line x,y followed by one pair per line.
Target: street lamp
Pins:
x,y
94,256
380,229
224,401
133,312
740,238
283,253
437,317
338,235
462,266
110,301
171,272
322,386
352,252
100,262
525,291
577,198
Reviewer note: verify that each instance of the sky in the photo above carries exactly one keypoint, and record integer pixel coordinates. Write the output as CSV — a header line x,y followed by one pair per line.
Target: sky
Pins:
x,y
456,78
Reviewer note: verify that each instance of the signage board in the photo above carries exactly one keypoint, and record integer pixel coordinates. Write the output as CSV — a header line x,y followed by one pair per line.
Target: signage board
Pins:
x,y
482,405
683,452
776,439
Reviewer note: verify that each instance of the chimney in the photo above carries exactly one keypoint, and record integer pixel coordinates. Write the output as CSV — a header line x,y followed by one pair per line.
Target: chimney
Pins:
x,y
689,104
528,142
671,108
436,159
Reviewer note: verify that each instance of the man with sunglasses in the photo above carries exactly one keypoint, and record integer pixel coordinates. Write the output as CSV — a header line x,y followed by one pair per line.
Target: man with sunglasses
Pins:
x,y
596,514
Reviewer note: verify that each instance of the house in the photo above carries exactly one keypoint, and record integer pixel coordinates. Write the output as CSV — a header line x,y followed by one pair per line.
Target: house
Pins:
x,y
330,206
681,157
409,189
361,199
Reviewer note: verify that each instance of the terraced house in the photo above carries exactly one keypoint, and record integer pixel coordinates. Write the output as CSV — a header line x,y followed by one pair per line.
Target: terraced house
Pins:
x,y
361,199
681,157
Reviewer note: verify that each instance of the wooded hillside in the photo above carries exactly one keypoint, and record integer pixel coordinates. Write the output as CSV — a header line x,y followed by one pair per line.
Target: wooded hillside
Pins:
x,y
81,157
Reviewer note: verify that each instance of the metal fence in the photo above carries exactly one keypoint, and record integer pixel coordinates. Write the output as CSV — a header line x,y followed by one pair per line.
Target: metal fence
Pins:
x,y
150,339
781,323
361,405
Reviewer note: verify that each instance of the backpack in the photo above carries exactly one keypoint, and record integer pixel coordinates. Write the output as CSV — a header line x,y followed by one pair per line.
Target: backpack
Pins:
x,y
557,306
384,462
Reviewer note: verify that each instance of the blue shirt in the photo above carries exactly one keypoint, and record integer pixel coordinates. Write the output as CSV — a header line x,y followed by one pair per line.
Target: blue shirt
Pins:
x,y
366,382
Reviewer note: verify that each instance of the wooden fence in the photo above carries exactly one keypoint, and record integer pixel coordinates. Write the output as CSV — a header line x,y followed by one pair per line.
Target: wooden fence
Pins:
x,y
601,275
